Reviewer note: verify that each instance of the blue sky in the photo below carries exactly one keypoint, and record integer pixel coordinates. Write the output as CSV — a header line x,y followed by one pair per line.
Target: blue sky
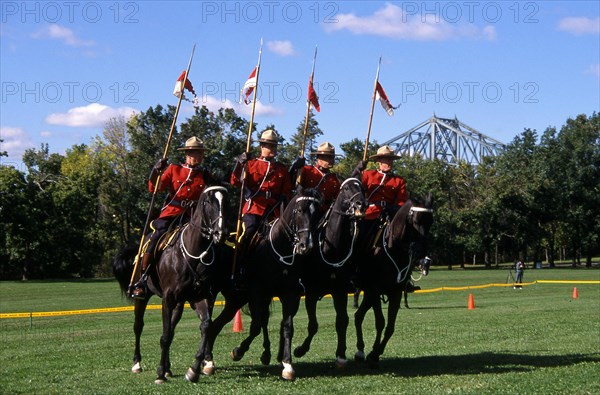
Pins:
x,y
500,67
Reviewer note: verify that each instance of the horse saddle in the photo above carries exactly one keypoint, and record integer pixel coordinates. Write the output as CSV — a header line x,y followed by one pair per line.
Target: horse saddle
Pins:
x,y
377,236
167,240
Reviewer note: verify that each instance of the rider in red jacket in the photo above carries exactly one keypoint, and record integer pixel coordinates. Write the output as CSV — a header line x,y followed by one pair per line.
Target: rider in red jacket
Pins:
x,y
267,183
320,175
184,184
385,192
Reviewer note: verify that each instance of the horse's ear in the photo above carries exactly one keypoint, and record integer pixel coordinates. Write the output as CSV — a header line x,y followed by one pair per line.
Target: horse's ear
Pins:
x,y
429,201
299,189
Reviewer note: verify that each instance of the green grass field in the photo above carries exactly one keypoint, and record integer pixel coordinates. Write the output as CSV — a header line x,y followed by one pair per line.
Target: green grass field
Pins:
x,y
536,340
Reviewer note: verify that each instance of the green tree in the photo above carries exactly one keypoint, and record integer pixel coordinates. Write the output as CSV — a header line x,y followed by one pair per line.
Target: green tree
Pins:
x,y
18,224
579,141
313,131
224,135
352,154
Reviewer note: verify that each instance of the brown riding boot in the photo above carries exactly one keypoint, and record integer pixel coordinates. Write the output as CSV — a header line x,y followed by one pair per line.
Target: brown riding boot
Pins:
x,y
140,287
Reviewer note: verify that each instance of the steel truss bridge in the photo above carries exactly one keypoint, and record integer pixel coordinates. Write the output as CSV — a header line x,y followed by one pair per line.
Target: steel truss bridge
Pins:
x,y
446,139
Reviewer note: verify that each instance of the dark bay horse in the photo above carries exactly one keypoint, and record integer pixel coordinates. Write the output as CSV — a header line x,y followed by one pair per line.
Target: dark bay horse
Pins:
x,y
273,270
387,270
329,268
182,274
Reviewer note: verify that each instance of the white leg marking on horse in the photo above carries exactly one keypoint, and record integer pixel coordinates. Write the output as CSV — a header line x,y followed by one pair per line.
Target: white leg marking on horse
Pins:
x,y
288,371
137,368
341,363
209,368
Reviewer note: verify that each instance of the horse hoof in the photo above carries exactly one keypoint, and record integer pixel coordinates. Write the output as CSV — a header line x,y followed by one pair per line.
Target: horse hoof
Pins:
x,y
265,358
372,361
209,368
299,352
341,363
359,356
160,381
191,376
288,373
236,355
137,368
168,374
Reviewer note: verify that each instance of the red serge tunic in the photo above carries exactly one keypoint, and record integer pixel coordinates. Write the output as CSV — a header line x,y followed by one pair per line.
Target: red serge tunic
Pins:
x,y
183,183
329,183
266,182
382,189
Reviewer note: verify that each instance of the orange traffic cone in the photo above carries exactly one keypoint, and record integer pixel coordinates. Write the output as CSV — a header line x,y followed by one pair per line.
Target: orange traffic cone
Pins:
x,y
471,303
237,322
575,293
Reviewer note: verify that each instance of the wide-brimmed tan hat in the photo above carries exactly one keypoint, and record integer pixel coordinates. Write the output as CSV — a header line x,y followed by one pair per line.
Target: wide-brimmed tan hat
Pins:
x,y
325,148
385,152
193,143
269,136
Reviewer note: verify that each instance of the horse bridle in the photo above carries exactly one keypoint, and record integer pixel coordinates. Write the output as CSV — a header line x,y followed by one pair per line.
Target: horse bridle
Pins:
x,y
290,232
411,247
351,210
206,232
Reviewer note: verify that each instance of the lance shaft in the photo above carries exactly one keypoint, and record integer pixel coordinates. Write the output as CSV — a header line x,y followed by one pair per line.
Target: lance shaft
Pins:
x,y
371,115
157,183
238,227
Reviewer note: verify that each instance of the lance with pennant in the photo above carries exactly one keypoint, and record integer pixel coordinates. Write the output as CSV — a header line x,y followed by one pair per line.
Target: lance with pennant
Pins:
x,y
165,153
371,115
308,104
238,228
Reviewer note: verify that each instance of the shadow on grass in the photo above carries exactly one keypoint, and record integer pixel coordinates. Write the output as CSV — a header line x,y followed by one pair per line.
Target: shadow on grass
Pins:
x,y
486,363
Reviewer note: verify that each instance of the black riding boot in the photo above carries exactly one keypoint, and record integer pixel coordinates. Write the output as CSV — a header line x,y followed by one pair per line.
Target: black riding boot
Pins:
x,y
140,287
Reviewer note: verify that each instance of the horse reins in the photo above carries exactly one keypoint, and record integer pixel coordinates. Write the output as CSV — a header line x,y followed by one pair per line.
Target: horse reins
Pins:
x,y
354,233
287,228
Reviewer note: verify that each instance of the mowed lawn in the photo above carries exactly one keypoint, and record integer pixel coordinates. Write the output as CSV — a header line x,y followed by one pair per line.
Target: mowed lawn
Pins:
x,y
535,340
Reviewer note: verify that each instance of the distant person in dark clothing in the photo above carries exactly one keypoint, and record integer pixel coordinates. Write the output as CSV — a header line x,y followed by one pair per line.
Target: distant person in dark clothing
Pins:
x,y
519,268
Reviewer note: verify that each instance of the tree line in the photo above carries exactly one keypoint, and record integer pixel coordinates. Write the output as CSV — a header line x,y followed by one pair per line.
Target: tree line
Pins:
x,y
67,215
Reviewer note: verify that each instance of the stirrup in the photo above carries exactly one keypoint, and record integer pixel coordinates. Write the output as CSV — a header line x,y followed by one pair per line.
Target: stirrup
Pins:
x,y
139,289
139,292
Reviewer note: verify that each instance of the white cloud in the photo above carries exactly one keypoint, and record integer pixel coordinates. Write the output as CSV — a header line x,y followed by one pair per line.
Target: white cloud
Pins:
x,y
261,109
594,70
579,25
46,133
92,115
62,33
16,141
214,104
282,48
392,22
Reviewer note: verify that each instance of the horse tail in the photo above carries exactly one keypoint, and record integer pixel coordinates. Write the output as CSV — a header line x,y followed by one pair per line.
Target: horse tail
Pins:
x,y
123,266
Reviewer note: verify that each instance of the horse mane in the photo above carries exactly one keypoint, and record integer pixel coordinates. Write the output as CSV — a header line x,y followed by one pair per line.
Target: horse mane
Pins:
x,y
311,192
397,227
307,192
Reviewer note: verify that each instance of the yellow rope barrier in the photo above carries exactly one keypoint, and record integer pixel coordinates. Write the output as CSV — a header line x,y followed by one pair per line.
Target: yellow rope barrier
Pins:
x,y
221,303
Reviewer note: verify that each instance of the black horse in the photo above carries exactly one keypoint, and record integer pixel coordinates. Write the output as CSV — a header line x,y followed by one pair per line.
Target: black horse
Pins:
x,y
182,274
273,270
388,269
329,268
